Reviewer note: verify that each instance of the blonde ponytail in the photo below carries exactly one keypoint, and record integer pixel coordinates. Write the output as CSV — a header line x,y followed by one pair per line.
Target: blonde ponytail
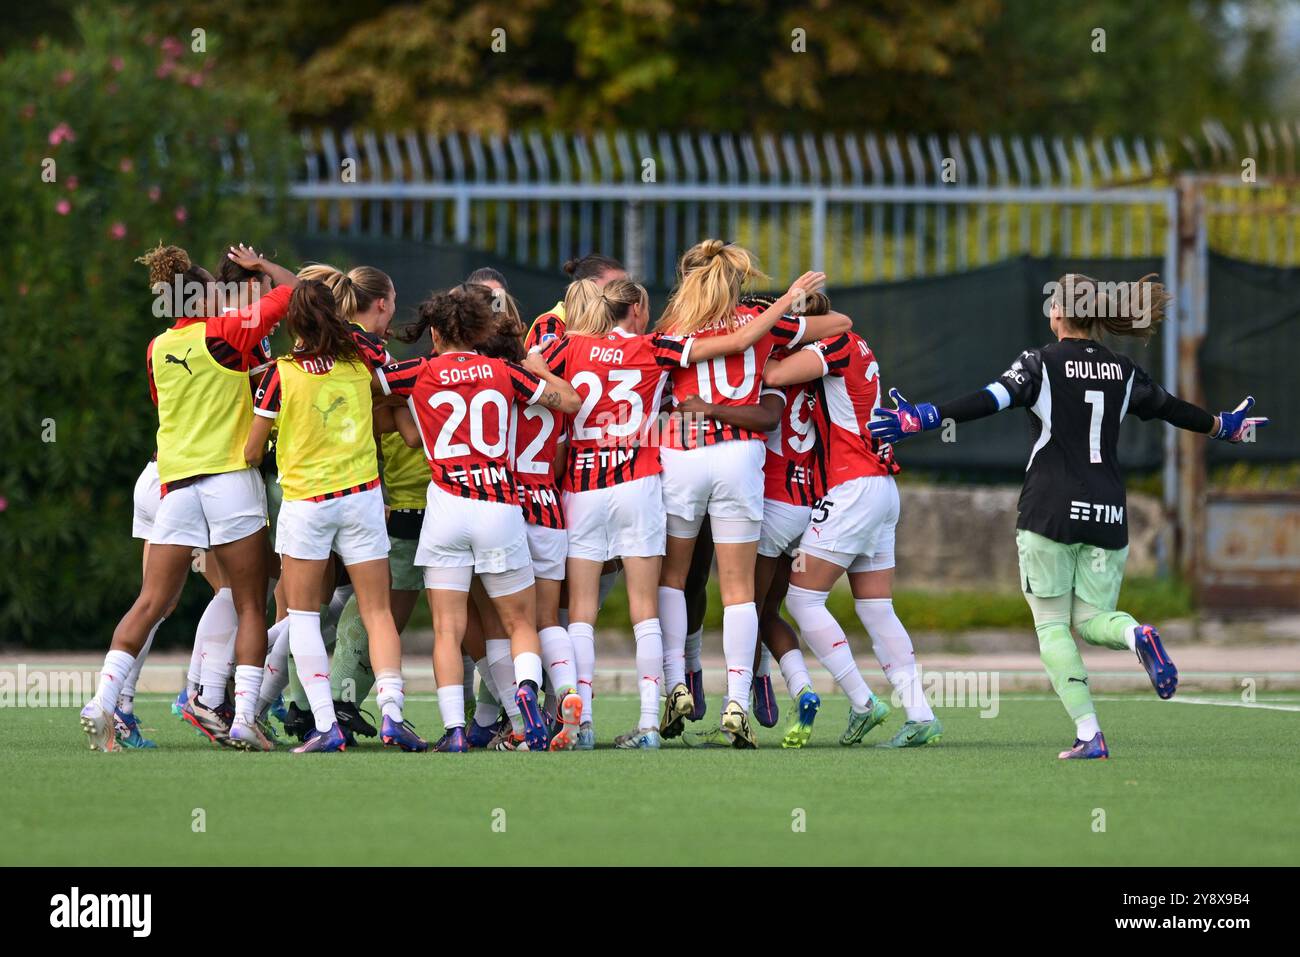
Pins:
x,y
709,280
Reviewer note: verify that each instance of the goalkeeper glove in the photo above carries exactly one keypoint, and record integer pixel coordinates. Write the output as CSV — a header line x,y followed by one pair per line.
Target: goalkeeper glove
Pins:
x,y
894,425
1237,424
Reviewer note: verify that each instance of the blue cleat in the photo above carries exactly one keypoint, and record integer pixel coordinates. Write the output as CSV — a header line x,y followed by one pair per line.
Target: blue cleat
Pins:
x,y
799,733
181,703
127,728
278,710
1096,748
766,709
1160,668
586,737
479,736
453,742
695,685
323,742
402,735
535,730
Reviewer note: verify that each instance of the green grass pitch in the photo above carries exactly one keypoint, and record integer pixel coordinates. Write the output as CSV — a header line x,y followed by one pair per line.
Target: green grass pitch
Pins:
x,y
1188,784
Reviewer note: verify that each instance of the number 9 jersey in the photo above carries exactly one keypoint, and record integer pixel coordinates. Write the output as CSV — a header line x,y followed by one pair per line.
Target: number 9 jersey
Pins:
x,y
463,406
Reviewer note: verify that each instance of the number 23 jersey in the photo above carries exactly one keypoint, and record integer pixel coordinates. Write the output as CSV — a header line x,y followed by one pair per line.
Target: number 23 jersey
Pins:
x,y
462,405
1077,392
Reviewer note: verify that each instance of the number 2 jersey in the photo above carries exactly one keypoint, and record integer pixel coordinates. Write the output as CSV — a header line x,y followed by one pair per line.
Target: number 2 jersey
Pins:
x,y
463,404
620,379
1077,392
843,402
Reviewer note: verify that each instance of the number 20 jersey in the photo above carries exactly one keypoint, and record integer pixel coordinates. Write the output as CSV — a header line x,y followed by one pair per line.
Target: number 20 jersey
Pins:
x,y
620,379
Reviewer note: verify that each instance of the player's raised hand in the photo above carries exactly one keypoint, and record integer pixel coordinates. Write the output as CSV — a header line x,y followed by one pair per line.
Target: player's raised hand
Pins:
x,y
803,287
894,425
1239,425
245,256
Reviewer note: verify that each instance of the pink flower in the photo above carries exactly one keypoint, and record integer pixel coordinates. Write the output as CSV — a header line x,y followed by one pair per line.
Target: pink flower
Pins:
x,y
65,77
164,70
181,214
154,194
118,64
125,164
118,230
173,47
111,89
63,207
195,79
72,184
62,133
4,503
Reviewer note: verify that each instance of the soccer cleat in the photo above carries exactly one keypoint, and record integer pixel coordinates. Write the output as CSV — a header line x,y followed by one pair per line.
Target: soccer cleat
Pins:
x,y
98,725
249,737
212,723
278,710
480,736
127,729
798,733
1096,748
267,729
566,739
639,739
1160,668
914,734
860,724
453,742
351,721
678,706
766,710
323,742
535,730
695,684
507,739
402,735
736,723
298,722
181,703
713,737
586,737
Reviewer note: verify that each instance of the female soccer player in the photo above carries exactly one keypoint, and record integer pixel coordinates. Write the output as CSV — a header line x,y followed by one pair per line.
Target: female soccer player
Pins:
x,y
613,492
716,469
549,326
851,527
472,521
320,397
1072,531
210,497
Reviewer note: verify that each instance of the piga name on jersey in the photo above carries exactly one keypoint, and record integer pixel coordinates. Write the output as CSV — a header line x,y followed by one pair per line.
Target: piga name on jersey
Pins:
x,y
1083,369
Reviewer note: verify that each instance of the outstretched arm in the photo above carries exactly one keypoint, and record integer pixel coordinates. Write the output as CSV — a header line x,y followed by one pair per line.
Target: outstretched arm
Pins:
x,y
258,434
710,347
249,258
558,394
1149,401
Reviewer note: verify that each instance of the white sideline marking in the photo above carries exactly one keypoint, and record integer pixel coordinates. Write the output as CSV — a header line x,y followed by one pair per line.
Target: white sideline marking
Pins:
x,y
1267,706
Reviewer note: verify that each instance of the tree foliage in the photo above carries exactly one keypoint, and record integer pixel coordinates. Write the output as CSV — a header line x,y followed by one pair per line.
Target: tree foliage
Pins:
x,y
112,144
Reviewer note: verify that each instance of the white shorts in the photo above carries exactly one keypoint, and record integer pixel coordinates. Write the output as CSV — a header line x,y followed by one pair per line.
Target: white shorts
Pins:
x,y
622,521
724,481
488,537
783,526
853,524
352,525
146,501
215,510
549,547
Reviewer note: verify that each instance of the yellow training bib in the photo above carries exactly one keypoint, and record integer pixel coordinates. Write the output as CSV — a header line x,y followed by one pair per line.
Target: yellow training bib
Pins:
x,y
326,442
406,473
204,409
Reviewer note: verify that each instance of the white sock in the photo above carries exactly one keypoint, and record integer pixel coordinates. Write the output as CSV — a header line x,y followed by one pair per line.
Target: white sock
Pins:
x,y
528,667
1087,728
893,648
275,676
607,583
583,637
248,685
312,664
194,676
739,637
649,670
672,619
451,705
694,644
390,693
126,697
557,655
1131,638
216,636
117,665
795,672
828,642
467,663
503,678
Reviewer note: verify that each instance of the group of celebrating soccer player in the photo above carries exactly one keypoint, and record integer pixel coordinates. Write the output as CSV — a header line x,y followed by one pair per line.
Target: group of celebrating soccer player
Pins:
x,y
512,474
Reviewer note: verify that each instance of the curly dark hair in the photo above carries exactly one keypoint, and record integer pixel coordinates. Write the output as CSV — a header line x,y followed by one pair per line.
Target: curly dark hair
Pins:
x,y
463,316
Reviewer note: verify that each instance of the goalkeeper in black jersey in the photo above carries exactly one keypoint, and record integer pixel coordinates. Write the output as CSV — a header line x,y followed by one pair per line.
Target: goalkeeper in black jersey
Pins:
x,y
1072,529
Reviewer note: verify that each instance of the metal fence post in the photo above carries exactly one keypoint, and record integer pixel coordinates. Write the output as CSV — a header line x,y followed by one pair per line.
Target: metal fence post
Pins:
x,y
633,243
818,251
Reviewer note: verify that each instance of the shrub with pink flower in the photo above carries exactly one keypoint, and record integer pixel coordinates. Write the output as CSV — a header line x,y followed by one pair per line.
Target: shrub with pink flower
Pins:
x,y
63,207
117,231
62,134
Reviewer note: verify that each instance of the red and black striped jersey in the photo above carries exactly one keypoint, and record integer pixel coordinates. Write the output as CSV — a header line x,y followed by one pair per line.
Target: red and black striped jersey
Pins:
x,y
795,469
620,379
546,328
728,380
847,396
463,402
535,434
239,338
